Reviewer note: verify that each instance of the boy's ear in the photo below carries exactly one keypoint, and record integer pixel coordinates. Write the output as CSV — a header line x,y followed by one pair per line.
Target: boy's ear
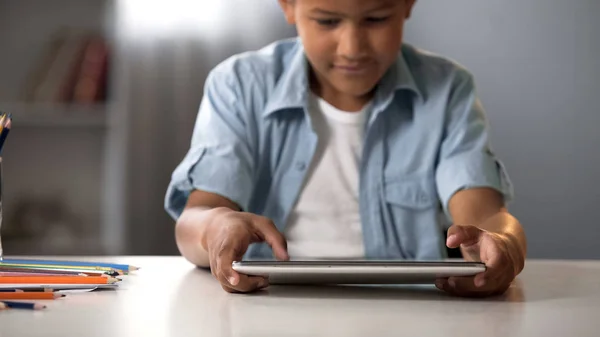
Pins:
x,y
409,7
288,7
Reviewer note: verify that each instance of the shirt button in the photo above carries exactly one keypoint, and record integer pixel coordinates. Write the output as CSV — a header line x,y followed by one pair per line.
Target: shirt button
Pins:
x,y
300,166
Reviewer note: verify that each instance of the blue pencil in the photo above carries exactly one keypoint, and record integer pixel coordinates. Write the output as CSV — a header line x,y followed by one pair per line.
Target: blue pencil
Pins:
x,y
23,305
123,267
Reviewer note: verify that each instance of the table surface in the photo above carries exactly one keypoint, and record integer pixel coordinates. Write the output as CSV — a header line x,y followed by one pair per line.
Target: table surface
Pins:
x,y
170,297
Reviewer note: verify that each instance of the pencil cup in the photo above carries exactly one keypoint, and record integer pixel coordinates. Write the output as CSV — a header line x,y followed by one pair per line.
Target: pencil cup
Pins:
x,y
1,252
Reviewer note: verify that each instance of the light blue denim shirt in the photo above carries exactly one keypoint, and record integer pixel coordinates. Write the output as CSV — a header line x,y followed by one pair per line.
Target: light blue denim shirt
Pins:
x,y
426,139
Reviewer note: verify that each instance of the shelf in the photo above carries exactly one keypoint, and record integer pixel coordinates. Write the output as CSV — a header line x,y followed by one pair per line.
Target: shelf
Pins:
x,y
56,115
57,246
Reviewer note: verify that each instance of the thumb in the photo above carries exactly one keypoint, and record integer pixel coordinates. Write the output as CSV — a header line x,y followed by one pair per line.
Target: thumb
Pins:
x,y
462,235
225,258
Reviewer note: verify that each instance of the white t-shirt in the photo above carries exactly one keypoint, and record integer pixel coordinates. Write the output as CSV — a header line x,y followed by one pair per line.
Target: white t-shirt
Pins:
x,y
325,222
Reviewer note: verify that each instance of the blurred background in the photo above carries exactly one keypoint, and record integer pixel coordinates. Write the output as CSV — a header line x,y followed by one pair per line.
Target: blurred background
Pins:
x,y
104,94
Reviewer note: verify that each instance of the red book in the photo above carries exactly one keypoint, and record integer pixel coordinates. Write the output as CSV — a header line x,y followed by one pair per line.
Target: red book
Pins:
x,y
90,86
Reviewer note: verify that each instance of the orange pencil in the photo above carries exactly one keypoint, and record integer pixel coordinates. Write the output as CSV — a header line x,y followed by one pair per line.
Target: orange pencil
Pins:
x,y
29,296
57,280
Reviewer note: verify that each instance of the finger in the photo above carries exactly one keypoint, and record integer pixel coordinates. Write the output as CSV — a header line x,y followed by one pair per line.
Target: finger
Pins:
x,y
462,235
462,284
441,283
272,237
213,264
465,287
229,278
480,280
251,283
450,288
494,254
224,260
445,286
494,277
247,284
228,288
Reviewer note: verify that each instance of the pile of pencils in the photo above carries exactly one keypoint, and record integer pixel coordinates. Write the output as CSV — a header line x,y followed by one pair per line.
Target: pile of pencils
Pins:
x,y
5,125
26,279
23,280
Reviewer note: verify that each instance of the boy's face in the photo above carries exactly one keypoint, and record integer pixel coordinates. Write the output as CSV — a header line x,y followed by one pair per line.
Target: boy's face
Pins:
x,y
349,43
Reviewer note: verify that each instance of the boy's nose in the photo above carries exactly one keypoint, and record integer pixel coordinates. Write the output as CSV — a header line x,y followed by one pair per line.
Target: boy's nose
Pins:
x,y
351,44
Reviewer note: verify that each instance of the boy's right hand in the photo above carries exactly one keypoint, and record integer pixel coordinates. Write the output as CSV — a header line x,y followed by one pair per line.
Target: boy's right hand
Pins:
x,y
227,239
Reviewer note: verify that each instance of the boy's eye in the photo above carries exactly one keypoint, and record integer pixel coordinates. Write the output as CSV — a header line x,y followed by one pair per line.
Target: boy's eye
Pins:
x,y
377,19
327,22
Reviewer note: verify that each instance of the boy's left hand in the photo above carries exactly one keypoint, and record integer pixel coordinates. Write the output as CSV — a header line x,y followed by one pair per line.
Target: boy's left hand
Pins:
x,y
500,253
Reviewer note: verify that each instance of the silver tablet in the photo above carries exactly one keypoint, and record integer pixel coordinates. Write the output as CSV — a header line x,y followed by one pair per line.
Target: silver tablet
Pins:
x,y
357,272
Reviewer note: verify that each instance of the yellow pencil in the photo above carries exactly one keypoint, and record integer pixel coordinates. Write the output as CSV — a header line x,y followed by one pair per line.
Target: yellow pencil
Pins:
x,y
2,121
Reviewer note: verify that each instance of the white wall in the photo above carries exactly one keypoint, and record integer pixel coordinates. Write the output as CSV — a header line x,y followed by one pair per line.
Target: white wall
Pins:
x,y
537,66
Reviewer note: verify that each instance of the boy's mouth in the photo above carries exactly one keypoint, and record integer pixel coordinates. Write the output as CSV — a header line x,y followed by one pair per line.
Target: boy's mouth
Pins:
x,y
354,69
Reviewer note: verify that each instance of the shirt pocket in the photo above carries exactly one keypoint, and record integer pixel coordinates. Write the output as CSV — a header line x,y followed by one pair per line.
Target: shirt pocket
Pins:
x,y
411,206
411,193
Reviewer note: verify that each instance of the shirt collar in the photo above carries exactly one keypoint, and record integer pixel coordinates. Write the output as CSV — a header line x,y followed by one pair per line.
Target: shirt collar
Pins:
x,y
398,77
293,87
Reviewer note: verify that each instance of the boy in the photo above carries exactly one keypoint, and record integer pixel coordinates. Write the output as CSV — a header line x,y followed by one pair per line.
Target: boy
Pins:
x,y
344,143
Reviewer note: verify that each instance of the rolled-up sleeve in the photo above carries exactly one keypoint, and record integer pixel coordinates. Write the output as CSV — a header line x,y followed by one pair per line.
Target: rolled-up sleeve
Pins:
x,y
466,159
220,158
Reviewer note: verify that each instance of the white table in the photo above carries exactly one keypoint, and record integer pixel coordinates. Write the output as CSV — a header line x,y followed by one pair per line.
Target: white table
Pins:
x,y
169,297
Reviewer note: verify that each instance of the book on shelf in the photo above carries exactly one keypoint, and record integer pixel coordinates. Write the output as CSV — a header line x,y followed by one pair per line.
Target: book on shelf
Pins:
x,y
73,69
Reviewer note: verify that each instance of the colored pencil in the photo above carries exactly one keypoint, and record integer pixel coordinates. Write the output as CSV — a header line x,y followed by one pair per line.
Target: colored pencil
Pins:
x,y
66,267
51,269
123,267
5,126
56,287
62,267
48,271
30,296
32,290
2,120
58,280
23,305
26,274
65,272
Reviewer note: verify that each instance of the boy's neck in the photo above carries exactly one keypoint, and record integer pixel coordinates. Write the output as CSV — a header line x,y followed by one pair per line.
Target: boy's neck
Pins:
x,y
342,101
